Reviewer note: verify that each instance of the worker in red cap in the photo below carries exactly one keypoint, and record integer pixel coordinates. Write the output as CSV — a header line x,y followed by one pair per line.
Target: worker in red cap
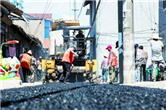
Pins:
x,y
112,62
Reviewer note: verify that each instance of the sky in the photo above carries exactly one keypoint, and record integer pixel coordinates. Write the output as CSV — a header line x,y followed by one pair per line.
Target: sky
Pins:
x,y
58,8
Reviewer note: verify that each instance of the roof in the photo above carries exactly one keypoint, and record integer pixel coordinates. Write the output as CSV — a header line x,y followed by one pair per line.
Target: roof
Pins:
x,y
41,15
28,36
61,23
13,10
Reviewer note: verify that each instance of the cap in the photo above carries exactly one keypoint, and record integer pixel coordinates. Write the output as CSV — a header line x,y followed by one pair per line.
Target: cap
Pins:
x,y
74,47
109,46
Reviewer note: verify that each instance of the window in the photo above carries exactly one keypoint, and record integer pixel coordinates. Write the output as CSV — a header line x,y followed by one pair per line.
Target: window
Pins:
x,y
164,4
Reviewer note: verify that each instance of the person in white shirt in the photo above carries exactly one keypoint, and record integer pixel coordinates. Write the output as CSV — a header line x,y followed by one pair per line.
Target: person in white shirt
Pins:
x,y
157,58
141,60
105,68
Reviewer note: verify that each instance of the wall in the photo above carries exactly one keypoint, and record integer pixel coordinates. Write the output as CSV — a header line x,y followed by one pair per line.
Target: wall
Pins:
x,y
146,22
162,24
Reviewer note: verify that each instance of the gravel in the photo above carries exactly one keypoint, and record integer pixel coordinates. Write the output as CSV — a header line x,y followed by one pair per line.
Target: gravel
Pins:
x,y
83,96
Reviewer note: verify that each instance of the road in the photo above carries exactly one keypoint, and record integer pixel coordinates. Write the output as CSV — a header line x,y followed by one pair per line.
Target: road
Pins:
x,y
83,96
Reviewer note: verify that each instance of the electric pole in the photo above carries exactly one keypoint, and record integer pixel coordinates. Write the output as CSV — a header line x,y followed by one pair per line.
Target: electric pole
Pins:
x,y
128,43
75,10
120,39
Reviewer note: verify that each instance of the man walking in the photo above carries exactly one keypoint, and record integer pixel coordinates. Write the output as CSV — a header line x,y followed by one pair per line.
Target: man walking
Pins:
x,y
141,60
112,62
157,59
67,61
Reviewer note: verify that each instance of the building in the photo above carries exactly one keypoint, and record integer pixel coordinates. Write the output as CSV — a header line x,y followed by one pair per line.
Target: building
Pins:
x,y
10,31
39,26
149,18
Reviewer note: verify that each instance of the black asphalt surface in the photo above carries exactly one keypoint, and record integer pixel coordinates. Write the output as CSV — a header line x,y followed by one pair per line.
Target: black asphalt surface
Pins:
x,y
83,96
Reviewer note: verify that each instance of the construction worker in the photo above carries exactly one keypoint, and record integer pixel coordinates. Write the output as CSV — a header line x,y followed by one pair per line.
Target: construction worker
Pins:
x,y
39,72
112,62
104,68
81,43
32,69
157,58
141,60
25,63
67,61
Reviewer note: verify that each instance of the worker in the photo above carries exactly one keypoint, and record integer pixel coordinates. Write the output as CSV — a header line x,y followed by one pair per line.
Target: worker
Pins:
x,y
80,43
112,62
39,72
104,68
67,61
32,69
25,63
141,60
157,48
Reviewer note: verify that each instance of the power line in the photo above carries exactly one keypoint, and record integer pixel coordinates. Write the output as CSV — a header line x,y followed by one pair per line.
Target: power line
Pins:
x,y
80,11
94,17
42,17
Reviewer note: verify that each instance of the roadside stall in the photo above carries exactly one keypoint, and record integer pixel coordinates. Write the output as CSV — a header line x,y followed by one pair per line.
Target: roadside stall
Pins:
x,y
9,67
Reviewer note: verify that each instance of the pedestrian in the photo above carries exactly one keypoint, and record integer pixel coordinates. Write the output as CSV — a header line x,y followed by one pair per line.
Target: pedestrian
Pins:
x,y
105,68
141,60
112,62
39,69
32,69
136,48
25,63
117,67
67,61
157,48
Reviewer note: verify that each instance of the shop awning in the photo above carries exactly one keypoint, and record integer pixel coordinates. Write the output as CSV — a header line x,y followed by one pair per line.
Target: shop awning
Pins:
x,y
13,10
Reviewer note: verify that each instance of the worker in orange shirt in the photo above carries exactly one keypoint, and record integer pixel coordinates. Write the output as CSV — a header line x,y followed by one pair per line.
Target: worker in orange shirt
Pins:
x,y
112,63
25,63
67,61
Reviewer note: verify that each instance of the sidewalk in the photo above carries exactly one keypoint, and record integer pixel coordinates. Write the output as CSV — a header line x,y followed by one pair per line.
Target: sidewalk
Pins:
x,y
158,84
16,84
7,84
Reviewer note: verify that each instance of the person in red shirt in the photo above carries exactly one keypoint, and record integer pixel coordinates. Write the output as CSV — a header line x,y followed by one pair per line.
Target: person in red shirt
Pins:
x,y
67,61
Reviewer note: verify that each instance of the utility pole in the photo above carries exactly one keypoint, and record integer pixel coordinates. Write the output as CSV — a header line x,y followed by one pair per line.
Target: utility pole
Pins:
x,y
128,43
120,39
75,10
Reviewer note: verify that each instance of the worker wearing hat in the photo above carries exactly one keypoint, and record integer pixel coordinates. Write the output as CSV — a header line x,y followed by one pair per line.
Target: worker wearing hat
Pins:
x,y
25,63
105,68
157,59
112,62
67,61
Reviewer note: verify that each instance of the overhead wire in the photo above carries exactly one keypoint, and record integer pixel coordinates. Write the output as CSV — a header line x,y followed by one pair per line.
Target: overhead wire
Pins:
x,y
42,17
80,11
